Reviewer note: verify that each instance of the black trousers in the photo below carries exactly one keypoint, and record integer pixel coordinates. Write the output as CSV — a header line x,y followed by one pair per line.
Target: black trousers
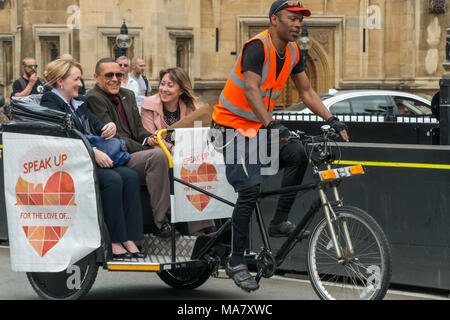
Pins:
x,y
121,201
292,158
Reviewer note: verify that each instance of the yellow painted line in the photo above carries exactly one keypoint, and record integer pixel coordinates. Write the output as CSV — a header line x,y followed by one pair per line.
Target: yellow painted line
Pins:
x,y
396,164
127,267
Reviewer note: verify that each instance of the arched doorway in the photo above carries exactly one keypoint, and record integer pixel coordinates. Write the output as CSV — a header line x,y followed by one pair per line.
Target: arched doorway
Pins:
x,y
311,72
289,95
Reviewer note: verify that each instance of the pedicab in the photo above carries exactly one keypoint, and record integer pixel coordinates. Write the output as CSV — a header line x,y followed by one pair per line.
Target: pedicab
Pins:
x,y
58,236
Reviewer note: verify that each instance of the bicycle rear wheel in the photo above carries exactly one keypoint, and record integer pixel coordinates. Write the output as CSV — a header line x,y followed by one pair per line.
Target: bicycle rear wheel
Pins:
x,y
186,278
70,284
363,274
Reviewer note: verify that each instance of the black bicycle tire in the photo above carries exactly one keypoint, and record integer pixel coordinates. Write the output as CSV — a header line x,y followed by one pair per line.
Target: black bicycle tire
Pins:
x,y
378,234
198,279
38,281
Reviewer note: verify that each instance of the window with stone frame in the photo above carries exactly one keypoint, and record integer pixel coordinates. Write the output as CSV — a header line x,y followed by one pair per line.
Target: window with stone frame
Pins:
x,y
7,62
182,54
50,50
6,67
181,46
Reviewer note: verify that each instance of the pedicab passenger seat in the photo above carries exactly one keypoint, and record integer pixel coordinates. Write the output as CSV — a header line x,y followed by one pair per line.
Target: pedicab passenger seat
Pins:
x,y
158,250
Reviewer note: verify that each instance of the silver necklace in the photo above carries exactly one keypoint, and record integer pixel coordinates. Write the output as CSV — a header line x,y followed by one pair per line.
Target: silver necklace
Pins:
x,y
281,58
276,51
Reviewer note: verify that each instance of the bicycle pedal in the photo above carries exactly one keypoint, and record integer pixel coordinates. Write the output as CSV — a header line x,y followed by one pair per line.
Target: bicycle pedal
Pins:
x,y
250,255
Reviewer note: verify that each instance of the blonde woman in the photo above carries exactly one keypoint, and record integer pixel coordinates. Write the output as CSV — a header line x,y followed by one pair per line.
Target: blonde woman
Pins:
x,y
175,100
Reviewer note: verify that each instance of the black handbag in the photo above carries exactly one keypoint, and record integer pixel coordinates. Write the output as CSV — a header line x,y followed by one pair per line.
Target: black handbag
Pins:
x,y
27,110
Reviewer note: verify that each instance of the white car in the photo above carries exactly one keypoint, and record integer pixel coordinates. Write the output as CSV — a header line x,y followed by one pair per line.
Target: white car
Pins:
x,y
373,102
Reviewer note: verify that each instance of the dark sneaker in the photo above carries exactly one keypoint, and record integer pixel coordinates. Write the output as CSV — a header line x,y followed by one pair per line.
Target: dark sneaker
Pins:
x,y
283,229
165,231
241,277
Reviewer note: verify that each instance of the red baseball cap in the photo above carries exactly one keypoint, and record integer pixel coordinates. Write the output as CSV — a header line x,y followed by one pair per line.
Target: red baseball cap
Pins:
x,y
294,6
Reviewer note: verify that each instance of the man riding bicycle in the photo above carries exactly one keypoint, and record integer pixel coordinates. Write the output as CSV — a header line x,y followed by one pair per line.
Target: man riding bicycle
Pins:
x,y
252,89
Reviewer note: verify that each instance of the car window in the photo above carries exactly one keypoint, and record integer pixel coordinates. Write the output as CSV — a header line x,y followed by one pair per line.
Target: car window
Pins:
x,y
409,106
300,106
341,107
369,104
296,107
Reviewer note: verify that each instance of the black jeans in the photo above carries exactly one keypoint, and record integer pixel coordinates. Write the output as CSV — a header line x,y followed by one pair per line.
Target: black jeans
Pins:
x,y
293,159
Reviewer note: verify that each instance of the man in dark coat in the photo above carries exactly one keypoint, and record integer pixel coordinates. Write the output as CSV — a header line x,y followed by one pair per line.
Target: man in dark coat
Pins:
x,y
110,102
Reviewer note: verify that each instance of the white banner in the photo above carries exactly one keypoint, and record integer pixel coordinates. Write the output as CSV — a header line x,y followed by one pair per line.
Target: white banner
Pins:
x,y
197,162
50,202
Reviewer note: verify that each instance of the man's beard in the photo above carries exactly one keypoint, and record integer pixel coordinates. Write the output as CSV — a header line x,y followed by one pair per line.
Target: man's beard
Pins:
x,y
30,73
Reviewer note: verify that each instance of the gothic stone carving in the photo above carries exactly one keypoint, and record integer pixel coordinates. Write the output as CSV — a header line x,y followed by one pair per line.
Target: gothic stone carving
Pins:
x,y
436,6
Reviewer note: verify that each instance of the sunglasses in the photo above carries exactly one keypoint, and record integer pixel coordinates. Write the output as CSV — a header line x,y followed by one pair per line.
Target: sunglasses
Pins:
x,y
110,75
31,66
123,65
288,4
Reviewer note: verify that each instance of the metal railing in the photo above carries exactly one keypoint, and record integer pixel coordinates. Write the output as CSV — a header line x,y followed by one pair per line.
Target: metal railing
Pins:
x,y
290,116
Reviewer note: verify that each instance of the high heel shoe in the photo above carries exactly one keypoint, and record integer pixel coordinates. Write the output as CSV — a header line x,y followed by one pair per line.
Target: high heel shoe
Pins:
x,y
123,256
137,255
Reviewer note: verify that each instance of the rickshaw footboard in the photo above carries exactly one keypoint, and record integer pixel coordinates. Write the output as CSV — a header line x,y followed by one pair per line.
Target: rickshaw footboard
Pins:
x,y
158,255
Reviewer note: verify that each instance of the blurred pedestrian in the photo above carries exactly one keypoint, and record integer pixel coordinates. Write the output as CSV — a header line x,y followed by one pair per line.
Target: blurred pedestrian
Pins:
x,y
29,83
137,73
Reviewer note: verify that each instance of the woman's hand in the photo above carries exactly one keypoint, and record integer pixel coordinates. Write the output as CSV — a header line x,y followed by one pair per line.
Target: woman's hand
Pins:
x,y
152,141
109,130
102,159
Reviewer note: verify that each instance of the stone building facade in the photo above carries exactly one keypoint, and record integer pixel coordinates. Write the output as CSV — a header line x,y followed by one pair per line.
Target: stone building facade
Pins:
x,y
388,44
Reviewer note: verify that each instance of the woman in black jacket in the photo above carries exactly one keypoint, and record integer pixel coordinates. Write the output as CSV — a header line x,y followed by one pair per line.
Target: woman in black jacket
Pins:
x,y
119,186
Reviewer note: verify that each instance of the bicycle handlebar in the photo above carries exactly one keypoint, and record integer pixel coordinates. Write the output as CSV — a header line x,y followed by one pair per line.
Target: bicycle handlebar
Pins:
x,y
328,135
320,152
317,155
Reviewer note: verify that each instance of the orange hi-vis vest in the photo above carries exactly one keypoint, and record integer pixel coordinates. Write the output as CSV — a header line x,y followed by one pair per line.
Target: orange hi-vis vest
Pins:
x,y
233,109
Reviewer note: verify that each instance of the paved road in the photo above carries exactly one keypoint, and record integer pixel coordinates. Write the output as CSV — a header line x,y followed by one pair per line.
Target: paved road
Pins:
x,y
119,285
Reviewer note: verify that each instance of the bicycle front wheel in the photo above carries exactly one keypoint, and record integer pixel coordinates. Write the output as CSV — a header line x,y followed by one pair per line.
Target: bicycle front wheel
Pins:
x,y
362,273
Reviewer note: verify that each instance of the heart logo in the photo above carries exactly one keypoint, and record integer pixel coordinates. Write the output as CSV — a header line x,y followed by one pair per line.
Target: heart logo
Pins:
x,y
203,176
45,213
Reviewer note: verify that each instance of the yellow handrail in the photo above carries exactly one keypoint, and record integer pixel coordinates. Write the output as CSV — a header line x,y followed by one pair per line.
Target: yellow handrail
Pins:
x,y
163,146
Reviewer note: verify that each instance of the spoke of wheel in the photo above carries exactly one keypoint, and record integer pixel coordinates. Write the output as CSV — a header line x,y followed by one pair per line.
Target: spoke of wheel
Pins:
x,y
351,279
353,282
369,245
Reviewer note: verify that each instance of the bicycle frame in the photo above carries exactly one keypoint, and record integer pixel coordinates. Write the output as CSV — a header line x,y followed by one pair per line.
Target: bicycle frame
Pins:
x,y
295,237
